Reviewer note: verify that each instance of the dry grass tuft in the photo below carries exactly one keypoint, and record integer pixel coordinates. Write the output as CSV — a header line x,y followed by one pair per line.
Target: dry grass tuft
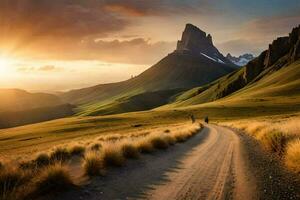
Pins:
x,y
280,136
54,178
130,151
10,181
96,147
170,139
42,159
275,142
77,150
112,155
145,146
60,155
93,165
292,157
159,142
180,137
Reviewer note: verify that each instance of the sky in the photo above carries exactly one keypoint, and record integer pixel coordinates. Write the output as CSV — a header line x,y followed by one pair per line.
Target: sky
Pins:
x,y
58,45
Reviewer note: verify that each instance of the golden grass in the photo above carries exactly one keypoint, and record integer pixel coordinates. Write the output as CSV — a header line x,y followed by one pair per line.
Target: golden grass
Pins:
x,y
278,135
144,146
43,159
54,178
60,155
96,147
11,179
112,155
292,157
93,164
130,150
48,172
159,142
77,150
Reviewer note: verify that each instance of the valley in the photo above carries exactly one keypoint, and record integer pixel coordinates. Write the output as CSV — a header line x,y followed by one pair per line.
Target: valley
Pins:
x,y
145,138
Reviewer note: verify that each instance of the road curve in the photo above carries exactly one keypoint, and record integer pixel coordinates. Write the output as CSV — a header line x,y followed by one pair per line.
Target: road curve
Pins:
x,y
215,169
210,165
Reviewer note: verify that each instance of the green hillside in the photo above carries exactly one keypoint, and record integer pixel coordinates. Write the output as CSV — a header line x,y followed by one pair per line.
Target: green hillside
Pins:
x,y
271,77
176,72
18,100
19,107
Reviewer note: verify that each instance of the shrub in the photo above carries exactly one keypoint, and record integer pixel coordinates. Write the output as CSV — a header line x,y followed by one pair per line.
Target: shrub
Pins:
x,y
129,150
10,180
180,137
145,146
159,142
77,151
42,160
170,140
274,141
112,156
93,165
292,158
60,154
27,165
54,178
96,147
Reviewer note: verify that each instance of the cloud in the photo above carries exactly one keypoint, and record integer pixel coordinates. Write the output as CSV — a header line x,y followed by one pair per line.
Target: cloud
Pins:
x,y
34,28
241,46
45,68
255,35
24,22
48,68
158,7
270,27
133,51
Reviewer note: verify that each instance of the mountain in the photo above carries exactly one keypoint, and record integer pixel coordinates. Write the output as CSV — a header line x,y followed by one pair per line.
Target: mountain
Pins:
x,y
195,62
241,60
18,100
18,118
195,42
274,76
19,107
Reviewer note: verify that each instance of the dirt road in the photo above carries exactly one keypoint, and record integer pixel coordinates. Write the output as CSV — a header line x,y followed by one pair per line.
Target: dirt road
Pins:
x,y
213,170
208,166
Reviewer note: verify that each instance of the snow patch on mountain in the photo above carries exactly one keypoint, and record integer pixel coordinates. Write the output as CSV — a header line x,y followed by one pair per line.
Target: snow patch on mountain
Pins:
x,y
241,60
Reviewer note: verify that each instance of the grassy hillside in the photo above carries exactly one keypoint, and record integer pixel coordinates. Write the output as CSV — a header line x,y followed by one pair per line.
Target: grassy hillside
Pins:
x,y
31,139
278,86
18,100
18,118
174,72
140,102
270,78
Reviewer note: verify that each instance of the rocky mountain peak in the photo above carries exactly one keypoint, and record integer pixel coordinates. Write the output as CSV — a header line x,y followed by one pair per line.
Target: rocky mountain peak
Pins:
x,y
196,42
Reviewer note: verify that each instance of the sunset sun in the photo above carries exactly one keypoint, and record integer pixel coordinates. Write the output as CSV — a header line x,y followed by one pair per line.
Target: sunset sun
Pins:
x,y
4,64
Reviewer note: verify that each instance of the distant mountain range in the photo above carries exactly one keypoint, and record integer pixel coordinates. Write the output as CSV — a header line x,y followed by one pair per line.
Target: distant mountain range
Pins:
x,y
18,100
241,60
19,107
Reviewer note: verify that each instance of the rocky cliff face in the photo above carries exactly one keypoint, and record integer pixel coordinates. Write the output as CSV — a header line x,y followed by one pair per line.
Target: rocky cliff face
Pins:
x,y
196,42
282,51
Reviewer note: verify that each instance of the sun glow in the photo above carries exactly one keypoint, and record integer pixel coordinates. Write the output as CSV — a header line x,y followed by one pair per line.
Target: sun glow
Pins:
x,y
5,64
